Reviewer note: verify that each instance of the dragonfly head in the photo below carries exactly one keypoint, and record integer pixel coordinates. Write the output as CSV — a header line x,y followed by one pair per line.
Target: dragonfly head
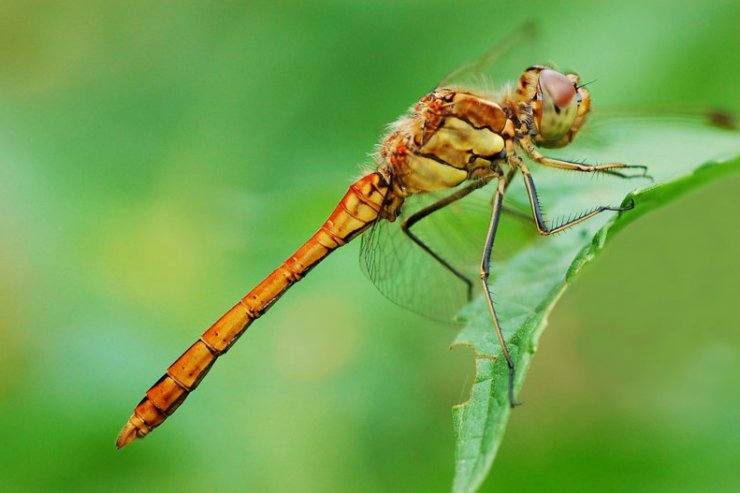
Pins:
x,y
559,105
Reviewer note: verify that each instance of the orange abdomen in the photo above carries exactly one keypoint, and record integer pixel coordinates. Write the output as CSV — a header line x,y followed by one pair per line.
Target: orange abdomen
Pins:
x,y
359,208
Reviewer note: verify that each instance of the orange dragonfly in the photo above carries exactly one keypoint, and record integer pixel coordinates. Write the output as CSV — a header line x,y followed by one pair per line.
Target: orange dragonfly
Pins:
x,y
454,140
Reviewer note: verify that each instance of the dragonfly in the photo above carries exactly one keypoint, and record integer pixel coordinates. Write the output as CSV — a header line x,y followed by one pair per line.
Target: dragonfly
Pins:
x,y
456,141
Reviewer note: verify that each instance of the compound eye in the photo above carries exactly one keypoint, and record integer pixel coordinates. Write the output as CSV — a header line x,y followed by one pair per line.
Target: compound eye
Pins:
x,y
560,88
559,105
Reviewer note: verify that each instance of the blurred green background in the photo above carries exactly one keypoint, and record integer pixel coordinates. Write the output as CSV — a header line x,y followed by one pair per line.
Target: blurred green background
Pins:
x,y
158,158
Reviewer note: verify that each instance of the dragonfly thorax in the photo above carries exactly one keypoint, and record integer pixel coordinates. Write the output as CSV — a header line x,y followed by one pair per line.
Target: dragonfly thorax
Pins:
x,y
448,137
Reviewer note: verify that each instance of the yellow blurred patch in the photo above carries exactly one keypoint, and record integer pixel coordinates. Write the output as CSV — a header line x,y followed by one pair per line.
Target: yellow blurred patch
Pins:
x,y
150,252
318,337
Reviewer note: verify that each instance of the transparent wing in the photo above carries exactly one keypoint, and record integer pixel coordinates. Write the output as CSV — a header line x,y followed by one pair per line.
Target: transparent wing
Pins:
x,y
665,141
502,64
410,277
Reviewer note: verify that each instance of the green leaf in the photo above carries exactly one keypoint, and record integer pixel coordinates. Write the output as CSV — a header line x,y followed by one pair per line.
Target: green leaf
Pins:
x,y
682,155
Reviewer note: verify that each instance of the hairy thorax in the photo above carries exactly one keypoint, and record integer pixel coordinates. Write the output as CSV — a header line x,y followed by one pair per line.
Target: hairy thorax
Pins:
x,y
449,136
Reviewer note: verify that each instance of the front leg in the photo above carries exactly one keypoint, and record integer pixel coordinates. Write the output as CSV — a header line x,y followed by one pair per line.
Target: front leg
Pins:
x,y
531,151
534,201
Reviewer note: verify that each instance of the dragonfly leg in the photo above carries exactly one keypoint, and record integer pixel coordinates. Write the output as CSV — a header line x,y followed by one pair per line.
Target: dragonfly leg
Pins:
x,y
484,274
522,216
607,168
534,201
426,211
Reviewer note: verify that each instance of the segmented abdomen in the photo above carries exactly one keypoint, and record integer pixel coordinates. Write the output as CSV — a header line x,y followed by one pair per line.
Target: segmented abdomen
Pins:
x,y
359,208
